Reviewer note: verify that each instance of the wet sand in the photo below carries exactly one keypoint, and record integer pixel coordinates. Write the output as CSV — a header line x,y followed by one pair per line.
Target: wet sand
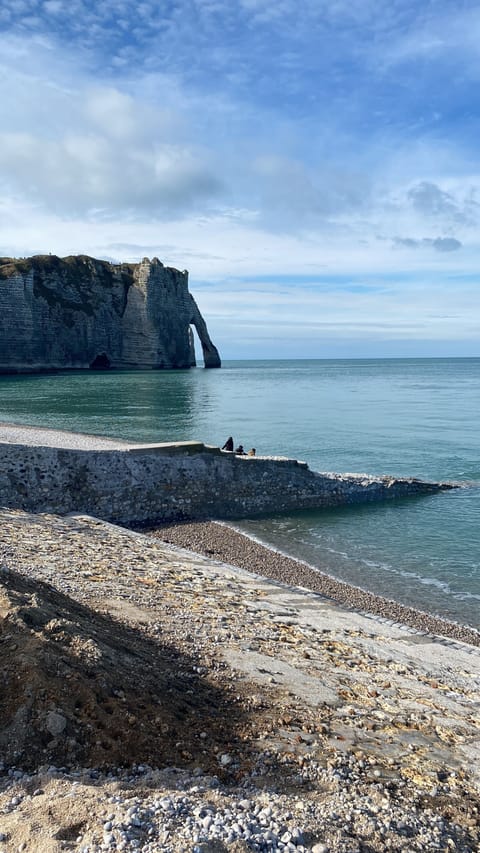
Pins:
x,y
222,542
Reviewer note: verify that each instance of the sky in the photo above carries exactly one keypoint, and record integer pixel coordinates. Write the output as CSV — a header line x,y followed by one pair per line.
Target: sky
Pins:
x,y
313,164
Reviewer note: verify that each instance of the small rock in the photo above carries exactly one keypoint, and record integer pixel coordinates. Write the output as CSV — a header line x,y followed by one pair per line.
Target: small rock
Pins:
x,y
55,723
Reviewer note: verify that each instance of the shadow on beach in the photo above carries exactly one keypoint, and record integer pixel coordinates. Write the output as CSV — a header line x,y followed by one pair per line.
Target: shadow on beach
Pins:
x,y
82,688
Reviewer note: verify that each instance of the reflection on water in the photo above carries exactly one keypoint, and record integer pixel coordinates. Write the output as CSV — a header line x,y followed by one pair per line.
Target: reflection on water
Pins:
x,y
136,405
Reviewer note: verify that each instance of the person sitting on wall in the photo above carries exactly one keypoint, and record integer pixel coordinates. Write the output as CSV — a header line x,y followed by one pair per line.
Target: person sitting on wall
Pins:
x,y
251,452
239,450
228,444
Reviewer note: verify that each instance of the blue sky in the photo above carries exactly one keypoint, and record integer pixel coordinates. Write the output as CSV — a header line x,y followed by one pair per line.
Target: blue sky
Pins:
x,y
314,165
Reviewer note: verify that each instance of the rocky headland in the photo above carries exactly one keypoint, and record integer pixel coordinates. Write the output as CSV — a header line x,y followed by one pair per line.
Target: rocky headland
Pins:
x,y
80,312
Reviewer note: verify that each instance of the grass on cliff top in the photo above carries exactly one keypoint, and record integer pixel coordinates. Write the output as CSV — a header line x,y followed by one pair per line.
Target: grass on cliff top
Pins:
x,y
52,263
74,283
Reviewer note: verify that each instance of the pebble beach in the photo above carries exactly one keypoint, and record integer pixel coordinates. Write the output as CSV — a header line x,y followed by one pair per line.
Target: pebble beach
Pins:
x,y
160,699
228,544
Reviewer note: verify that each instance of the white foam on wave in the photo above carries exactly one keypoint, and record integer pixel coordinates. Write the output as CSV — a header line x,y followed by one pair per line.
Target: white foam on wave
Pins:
x,y
446,618
425,580
440,585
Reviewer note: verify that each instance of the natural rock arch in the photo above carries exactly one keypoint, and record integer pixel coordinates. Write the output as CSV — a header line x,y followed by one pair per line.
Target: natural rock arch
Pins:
x,y
211,357
80,312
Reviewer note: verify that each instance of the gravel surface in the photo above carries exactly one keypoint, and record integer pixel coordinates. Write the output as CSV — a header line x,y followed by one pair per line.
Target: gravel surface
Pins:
x,y
224,542
150,811
44,437
156,700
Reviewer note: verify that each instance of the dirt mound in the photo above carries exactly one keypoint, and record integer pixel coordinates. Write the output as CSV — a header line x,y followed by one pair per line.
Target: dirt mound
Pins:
x,y
80,687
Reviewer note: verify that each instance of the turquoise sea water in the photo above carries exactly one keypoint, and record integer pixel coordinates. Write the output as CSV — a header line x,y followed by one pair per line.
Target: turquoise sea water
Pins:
x,y
416,417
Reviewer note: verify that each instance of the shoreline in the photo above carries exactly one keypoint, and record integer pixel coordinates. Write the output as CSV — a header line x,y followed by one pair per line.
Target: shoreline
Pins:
x,y
225,543
219,539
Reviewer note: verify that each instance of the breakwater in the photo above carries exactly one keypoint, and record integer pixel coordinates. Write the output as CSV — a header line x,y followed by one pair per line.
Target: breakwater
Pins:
x,y
49,471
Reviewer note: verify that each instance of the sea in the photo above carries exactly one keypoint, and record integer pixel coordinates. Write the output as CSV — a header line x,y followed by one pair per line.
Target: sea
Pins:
x,y
405,417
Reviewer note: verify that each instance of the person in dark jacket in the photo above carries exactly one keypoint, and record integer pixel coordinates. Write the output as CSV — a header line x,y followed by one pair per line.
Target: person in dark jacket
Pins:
x,y
239,450
228,444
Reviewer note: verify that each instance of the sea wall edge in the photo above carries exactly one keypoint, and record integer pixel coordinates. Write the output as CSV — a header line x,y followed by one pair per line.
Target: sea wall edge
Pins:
x,y
179,481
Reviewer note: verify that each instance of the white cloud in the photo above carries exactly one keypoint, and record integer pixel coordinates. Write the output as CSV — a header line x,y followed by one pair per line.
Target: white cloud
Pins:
x,y
292,195
54,7
78,173
79,147
448,33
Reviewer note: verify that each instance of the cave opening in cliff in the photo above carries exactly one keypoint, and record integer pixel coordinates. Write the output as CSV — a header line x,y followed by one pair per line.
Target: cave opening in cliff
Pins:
x,y
100,362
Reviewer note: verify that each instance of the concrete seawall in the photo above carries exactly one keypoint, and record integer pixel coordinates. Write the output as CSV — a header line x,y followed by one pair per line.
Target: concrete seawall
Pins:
x,y
49,471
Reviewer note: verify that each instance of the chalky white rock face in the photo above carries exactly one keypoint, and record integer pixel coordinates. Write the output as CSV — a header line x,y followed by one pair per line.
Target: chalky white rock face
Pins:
x,y
79,312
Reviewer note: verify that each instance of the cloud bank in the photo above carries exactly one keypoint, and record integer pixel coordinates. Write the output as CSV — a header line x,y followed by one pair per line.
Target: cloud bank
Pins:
x,y
249,142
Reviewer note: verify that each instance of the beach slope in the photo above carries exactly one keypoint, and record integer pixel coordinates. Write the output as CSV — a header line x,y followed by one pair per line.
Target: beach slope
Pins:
x,y
159,700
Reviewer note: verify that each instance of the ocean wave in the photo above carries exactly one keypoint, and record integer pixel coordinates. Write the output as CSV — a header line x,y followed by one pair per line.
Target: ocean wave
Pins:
x,y
425,580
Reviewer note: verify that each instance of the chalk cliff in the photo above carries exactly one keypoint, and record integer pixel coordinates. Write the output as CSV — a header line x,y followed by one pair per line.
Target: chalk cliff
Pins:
x,y
79,312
